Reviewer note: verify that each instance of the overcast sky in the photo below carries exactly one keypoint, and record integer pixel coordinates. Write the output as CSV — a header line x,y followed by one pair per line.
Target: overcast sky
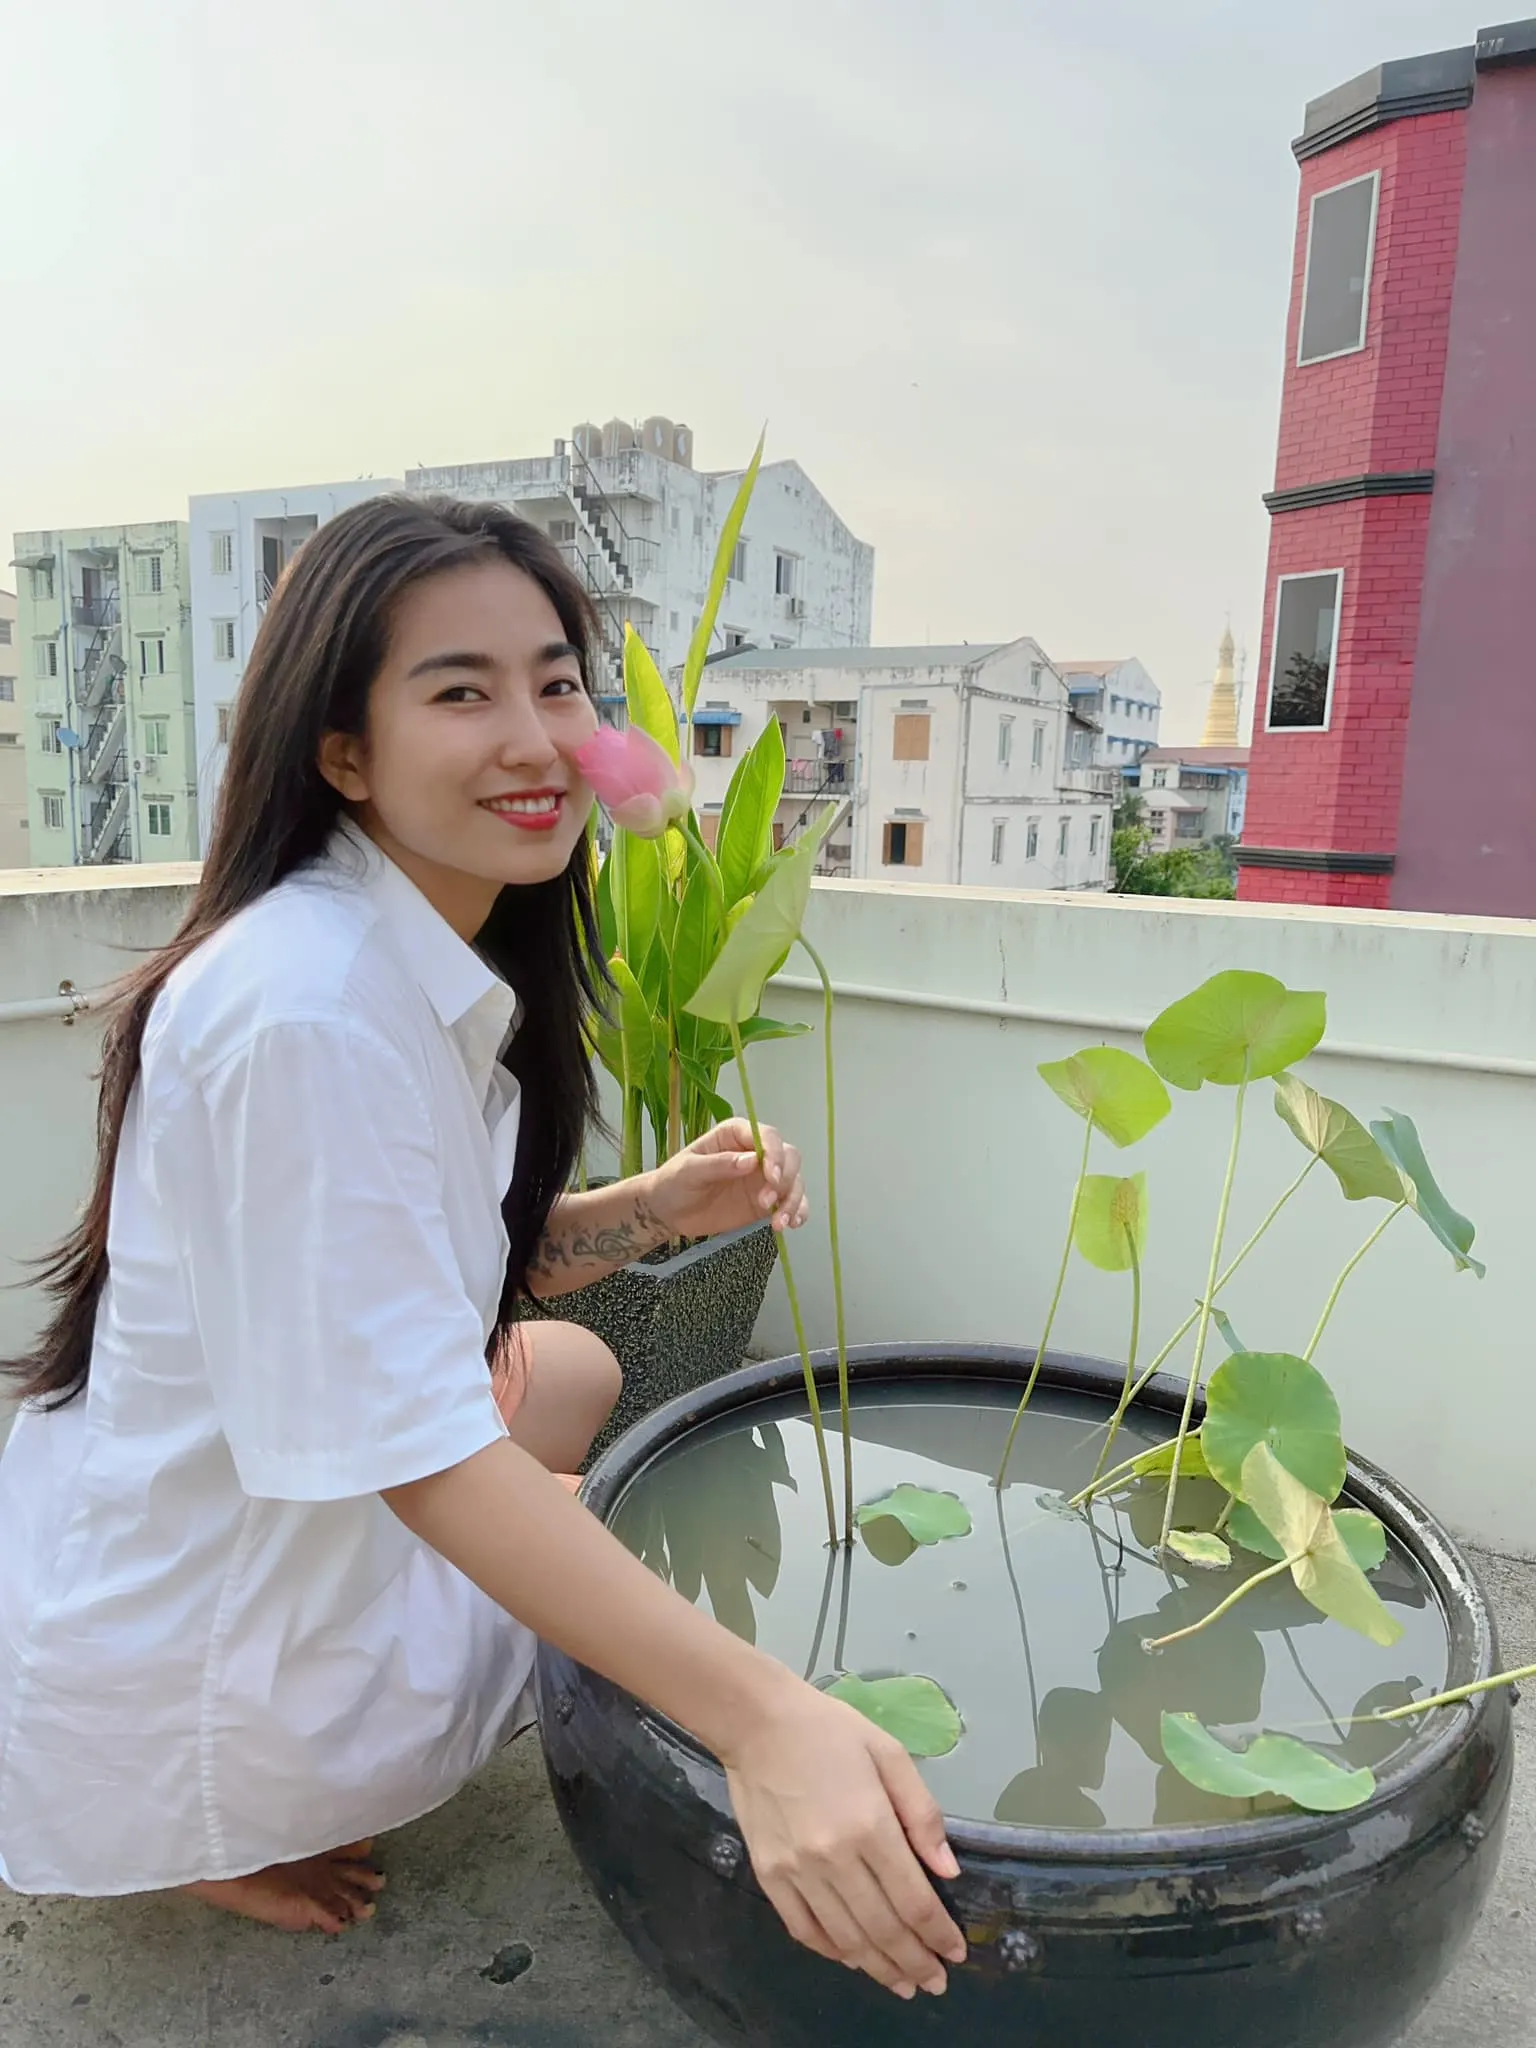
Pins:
x,y
1007,276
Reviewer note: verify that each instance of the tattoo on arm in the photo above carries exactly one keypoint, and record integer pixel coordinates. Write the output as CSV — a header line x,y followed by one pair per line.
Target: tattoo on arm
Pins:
x,y
564,1248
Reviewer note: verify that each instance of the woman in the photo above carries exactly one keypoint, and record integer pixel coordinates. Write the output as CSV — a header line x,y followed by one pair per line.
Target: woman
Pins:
x,y
279,1540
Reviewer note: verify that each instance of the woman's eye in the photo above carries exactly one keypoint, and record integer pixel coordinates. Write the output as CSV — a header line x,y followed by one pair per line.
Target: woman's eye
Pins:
x,y
563,686
458,693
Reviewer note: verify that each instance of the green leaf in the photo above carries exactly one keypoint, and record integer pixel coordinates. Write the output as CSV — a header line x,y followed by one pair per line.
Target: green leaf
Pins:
x,y
763,935
650,706
1158,1462
1364,1537
1269,1397
1399,1139
1200,1547
1322,1567
1229,1336
635,1031
700,1078
915,1711
745,839
704,632
1340,1140
697,937
1236,1026
755,1030
927,1515
1117,1092
1111,1219
607,922
887,1541
1270,1763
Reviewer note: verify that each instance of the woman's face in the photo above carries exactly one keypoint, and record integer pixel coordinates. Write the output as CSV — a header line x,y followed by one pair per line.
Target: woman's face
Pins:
x,y
466,774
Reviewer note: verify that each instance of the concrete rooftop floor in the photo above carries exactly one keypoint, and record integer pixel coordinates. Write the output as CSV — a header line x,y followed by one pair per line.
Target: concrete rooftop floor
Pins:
x,y
491,1871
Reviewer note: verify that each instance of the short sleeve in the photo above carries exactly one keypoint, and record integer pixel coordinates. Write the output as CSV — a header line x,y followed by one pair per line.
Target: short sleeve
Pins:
x,y
344,1351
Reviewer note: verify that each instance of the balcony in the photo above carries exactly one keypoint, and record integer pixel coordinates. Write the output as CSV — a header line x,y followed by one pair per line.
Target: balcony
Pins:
x,y
956,1166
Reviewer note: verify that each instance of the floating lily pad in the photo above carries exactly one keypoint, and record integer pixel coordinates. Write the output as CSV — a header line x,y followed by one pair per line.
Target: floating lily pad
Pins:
x,y
1118,1093
1111,1221
927,1515
1339,1140
1199,1547
915,1711
1324,1571
1399,1140
1364,1537
1269,1397
1270,1763
1235,1027
887,1541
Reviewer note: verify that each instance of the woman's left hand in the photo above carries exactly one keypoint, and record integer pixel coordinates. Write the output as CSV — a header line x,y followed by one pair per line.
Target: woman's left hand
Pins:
x,y
716,1183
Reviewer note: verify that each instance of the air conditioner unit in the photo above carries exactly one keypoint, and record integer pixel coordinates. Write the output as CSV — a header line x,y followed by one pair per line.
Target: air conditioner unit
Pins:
x,y
149,768
797,607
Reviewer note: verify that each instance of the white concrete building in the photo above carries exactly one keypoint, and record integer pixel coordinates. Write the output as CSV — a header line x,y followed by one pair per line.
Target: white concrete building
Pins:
x,y
241,543
641,525
1123,701
14,842
944,764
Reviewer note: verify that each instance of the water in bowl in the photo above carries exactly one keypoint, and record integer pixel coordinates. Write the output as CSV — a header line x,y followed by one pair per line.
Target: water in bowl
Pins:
x,y
1034,1623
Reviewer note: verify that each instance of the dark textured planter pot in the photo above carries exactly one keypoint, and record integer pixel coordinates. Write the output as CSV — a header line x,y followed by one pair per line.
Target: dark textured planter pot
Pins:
x,y
1293,1931
674,1324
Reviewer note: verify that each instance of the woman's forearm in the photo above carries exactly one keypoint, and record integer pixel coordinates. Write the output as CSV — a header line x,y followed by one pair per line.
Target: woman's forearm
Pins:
x,y
519,1534
588,1236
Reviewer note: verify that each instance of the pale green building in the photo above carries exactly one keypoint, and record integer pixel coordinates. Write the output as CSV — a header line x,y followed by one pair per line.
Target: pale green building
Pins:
x,y
105,664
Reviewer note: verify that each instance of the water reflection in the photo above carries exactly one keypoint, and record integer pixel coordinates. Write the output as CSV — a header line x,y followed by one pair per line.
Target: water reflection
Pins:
x,y
1035,1623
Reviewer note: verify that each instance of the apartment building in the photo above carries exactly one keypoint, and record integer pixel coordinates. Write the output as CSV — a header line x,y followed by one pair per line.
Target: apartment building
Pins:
x,y
104,639
14,840
1123,703
941,764
641,526
241,542
1191,795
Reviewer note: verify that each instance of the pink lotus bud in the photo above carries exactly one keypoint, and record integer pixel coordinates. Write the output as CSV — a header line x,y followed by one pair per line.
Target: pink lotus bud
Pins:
x,y
636,781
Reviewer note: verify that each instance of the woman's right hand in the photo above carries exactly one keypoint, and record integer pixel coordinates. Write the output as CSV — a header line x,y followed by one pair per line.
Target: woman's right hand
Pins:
x,y
835,1818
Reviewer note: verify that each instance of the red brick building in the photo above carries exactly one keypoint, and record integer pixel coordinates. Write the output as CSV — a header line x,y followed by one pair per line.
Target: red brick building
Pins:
x,y
1395,730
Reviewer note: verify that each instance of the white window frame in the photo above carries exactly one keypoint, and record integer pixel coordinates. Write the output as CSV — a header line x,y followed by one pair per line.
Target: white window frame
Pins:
x,y
738,572
146,641
51,804
1063,838
149,575
1095,835
999,840
159,806
1037,748
786,574
1305,576
157,737
1032,840
224,715
1005,742
49,725
45,659
221,553
1373,178
223,639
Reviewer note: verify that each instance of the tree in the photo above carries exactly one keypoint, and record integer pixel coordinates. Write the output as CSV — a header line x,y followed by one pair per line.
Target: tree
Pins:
x,y
1204,871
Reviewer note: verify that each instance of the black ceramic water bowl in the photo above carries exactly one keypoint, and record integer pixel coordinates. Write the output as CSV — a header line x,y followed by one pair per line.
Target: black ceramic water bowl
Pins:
x,y
1292,1931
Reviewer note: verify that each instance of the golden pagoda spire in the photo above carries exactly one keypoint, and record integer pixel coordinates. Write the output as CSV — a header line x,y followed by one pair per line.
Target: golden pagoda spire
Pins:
x,y
1221,712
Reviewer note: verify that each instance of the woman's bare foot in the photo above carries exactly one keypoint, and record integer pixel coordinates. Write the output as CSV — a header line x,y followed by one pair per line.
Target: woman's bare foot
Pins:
x,y
322,1894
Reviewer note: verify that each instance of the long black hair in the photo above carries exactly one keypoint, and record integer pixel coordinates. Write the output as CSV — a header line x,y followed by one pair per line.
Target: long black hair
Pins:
x,y
319,649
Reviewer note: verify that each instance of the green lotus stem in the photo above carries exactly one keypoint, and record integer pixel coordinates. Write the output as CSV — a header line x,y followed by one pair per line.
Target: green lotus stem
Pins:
x,y
1455,1698
843,1402
1130,1363
1338,1286
794,1295
1202,1335
1181,1635
1050,1317
1226,1514
1184,1329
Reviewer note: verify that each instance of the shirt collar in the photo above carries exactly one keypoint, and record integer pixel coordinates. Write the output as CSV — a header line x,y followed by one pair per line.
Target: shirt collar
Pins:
x,y
453,976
